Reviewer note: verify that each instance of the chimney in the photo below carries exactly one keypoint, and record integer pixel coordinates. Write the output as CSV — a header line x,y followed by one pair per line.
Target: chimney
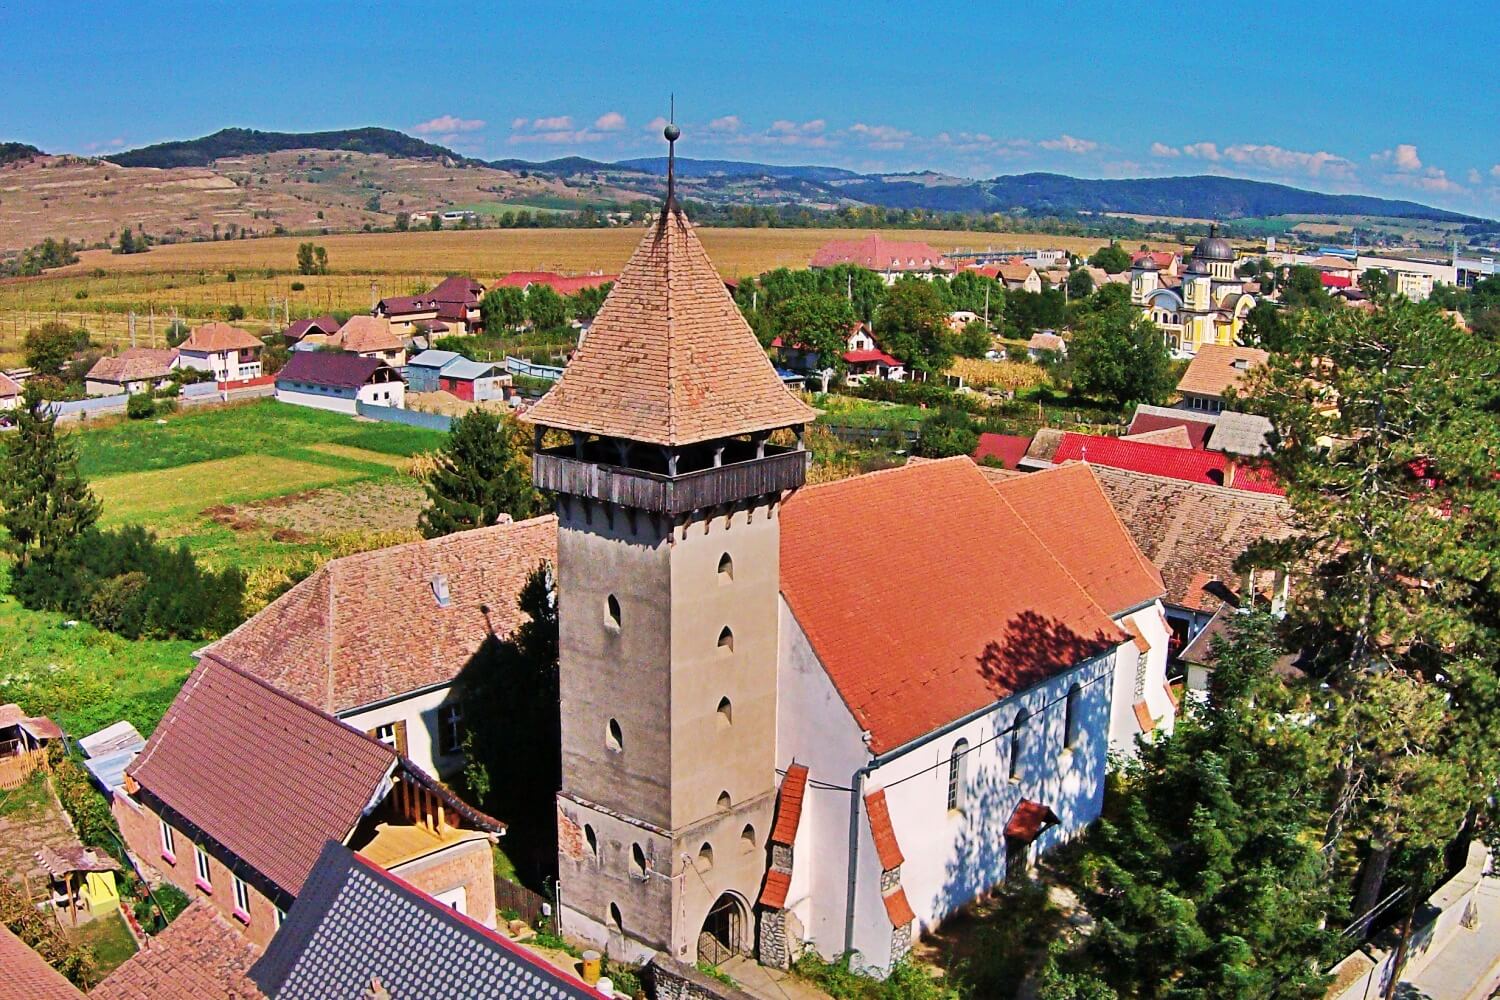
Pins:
x,y
1229,470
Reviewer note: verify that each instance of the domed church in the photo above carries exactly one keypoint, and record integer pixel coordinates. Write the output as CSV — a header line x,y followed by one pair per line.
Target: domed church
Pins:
x,y
1208,307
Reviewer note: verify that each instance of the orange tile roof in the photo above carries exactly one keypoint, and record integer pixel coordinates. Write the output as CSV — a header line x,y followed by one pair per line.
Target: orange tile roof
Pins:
x,y
368,626
362,334
789,805
198,957
1028,821
218,337
926,597
134,364
27,974
1137,636
897,907
669,360
882,832
1143,717
1088,538
778,884
1213,369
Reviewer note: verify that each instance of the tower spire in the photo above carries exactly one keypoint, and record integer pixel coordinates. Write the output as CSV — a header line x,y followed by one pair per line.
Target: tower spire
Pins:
x,y
672,133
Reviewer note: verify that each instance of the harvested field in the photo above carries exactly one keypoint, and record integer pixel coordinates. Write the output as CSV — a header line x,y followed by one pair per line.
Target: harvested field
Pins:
x,y
388,505
148,497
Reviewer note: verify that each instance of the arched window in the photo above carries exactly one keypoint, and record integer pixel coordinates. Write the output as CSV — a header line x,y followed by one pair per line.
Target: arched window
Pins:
x,y
614,737
593,841
1017,745
726,713
747,837
724,801
705,857
1071,720
958,775
614,917
612,606
726,641
726,568
637,861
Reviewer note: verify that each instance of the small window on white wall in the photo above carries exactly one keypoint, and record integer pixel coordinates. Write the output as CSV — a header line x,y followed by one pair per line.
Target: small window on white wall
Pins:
x,y
168,842
957,775
1017,745
1072,716
201,868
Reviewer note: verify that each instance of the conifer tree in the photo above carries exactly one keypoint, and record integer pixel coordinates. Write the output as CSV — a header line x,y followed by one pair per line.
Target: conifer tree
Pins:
x,y
45,505
482,472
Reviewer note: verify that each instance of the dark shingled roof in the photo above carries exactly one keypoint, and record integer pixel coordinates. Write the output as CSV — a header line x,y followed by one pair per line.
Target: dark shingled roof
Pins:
x,y
337,370
354,923
265,776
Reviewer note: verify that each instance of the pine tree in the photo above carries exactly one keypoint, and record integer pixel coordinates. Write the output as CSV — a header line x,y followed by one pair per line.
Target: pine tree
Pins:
x,y
45,505
482,472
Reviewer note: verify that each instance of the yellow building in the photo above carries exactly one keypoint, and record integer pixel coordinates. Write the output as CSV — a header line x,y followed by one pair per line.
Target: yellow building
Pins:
x,y
1208,306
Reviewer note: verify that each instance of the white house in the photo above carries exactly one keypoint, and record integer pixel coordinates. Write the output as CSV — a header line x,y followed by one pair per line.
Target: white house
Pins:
x,y
336,381
229,353
136,369
379,638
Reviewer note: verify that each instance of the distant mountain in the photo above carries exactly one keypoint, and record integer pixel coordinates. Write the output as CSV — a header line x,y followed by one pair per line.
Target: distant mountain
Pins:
x,y
561,167
12,151
245,142
1203,197
687,167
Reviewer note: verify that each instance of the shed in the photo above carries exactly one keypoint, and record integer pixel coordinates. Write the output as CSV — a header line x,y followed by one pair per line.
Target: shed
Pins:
x,y
91,872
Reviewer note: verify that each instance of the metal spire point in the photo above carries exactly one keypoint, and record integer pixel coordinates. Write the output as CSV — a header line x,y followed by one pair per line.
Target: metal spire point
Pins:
x,y
672,133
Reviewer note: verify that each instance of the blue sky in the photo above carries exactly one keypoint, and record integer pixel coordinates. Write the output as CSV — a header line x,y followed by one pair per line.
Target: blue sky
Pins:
x,y
1388,98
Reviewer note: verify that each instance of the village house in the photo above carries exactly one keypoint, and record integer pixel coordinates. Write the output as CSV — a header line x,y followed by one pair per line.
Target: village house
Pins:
x,y
1214,370
378,639
226,352
321,326
1244,434
10,392
447,371
1016,275
234,796
366,336
454,303
133,370
563,284
1167,264
889,258
389,932
949,667
862,356
201,955
326,380
1044,344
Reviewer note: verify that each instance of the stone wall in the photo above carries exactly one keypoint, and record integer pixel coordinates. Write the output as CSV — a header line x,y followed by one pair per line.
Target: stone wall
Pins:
x,y
669,979
775,950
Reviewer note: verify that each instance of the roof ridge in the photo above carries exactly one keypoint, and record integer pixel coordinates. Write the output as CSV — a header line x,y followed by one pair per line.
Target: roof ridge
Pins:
x,y
874,473
1140,556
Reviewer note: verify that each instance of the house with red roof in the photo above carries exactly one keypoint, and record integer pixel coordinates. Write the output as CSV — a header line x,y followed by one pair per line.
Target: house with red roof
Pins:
x,y
563,284
890,258
10,392
450,309
227,352
1209,468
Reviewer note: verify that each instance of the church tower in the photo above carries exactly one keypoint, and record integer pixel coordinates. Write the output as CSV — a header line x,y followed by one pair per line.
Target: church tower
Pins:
x,y
656,447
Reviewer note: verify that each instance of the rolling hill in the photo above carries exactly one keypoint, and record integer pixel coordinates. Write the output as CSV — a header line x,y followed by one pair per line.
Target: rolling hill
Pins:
x,y
230,142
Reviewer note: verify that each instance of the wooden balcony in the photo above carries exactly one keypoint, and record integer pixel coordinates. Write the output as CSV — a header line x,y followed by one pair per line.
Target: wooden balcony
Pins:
x,y
559,470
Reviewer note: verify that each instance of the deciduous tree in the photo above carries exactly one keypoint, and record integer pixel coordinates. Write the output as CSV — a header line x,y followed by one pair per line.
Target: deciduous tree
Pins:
x,y
1118,353
912,324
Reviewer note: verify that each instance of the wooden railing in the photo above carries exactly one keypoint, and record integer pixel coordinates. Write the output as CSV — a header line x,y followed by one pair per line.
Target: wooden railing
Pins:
x,y
559,472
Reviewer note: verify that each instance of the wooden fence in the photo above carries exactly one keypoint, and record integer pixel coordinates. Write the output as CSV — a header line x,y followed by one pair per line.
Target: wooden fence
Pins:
x,y
511,897
16,768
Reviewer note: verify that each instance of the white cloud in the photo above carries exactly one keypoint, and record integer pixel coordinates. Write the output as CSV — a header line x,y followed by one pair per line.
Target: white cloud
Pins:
x,y
1163,150
1319,164
1474,177
656,124
783,127
610,121
516,124
1202,150
448,124
1495,170
1404,157
1070,144
880,136
557,123
727,123
1431,179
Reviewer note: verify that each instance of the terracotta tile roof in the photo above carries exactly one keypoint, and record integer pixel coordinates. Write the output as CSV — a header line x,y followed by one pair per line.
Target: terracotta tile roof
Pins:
x,y
325,324
880,254
876,355
1154,418
355,923
367,333
881,831
1008,449
1216,367
134,364
265,776
789,805
218,337
952,605
1070,513
8,386
1029,820
27,976
1137,637
562,284
198,957
1143,717
337,370
778,884
1209,468
669,360
1177,436
1046,342
1014,273
1190,530
1162,258
369,627
897,908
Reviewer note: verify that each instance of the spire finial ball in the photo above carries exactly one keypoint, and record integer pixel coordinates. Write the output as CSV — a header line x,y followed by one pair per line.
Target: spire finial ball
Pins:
x,y
672,132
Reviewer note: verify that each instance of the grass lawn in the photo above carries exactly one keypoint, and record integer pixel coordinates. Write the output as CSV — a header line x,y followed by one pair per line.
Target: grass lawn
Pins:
x,y
110,939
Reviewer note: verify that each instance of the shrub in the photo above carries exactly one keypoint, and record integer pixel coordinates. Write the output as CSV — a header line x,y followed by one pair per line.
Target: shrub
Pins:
x,y
947,433
234,313
140,406
229,276
298,286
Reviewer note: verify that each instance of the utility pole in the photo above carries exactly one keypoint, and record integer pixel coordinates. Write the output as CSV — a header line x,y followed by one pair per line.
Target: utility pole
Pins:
x,y
132,328
987,304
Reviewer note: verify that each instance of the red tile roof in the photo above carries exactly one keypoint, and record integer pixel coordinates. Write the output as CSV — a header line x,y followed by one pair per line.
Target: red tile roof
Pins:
x,y
897,908
953,605
457,288
789,805
368,627
324,324
363,334
134,364
1210,468
1143,717
1163,258
213,337
269,778
198,957
1198,430
1335,280
778,884
669,360
881,831
1008,449
865,357
27,976
1029,820
562,284
336,370
880,254
1070,512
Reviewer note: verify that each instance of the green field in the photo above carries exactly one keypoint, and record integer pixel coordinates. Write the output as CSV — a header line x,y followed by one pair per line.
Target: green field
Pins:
x,y
204,478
